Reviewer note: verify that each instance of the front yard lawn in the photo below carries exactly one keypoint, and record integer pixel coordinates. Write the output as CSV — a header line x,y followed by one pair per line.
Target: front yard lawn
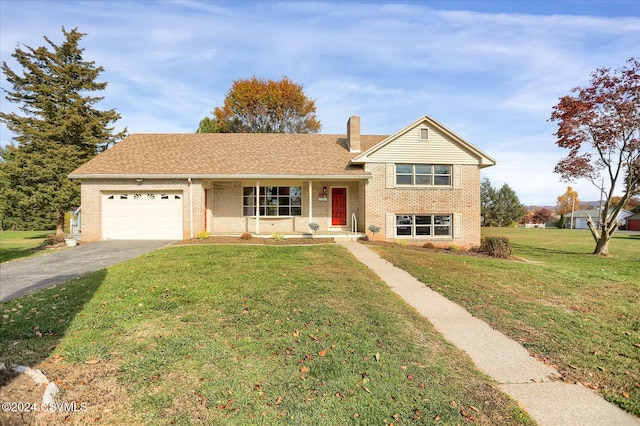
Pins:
x,y
246,335
18,244
577,310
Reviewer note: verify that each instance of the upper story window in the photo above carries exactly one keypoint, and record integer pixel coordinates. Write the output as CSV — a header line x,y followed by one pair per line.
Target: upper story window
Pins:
x,y
274,201
424,134
423,174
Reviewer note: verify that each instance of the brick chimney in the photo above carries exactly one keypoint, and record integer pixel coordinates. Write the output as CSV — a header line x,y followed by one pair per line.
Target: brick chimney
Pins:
x,y
353,134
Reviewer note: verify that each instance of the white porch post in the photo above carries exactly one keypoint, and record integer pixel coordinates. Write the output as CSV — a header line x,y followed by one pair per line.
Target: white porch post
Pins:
x,y
257,207
310,202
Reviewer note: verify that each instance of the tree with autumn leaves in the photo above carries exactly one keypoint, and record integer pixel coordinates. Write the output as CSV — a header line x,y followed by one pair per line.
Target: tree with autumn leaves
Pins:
x,y
263,106
568,202
600,126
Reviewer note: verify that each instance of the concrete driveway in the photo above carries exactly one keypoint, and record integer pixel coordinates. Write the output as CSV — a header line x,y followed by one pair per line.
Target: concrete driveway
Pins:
x,y
28,275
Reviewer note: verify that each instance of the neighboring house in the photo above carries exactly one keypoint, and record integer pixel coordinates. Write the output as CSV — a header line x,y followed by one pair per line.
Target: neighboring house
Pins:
x,y
421,183
633,222
580,218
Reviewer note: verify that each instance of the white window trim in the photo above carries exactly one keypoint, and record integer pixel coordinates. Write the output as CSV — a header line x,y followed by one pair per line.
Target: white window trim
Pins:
x,y
413,176
257,207
432,235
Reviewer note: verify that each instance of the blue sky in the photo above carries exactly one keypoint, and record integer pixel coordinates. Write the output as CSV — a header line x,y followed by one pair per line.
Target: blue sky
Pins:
x,y
489,70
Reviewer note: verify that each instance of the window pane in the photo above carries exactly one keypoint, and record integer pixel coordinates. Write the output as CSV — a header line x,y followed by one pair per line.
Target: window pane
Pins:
x,y
423,169
441,220
271,190
249,211
404,180
441,169
423,230
283,190
248,201
441,230
296,195
296,211
404,168
423,220
403,230
441,225
423,179
248,190
283,211
404,220
442,180
272,211
424,133
284,201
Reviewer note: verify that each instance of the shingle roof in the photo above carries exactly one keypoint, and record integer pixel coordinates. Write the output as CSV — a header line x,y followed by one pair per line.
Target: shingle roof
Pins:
x,y
274,154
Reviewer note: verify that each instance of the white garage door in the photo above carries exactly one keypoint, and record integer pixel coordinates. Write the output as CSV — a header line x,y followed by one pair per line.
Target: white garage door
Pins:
x,y
142,216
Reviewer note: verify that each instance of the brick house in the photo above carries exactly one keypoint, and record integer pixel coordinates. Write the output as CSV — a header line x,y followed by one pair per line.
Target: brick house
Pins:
x,y
422,183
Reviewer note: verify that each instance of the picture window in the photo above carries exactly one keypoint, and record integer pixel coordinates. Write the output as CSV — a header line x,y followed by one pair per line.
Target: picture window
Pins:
x,y
273,201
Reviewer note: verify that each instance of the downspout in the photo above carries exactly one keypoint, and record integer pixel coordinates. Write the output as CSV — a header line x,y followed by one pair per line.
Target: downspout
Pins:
x,y
191,208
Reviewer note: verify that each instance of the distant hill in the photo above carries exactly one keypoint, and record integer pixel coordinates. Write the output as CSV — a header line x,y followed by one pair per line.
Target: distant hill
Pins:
x,y
584,205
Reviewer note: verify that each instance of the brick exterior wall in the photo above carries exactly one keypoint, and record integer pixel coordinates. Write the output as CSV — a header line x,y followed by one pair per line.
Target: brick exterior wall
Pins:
x,y
226,215
369,199
380,201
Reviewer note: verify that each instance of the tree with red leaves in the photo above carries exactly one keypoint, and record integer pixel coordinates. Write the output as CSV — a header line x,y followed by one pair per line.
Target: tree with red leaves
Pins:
x,y
600,126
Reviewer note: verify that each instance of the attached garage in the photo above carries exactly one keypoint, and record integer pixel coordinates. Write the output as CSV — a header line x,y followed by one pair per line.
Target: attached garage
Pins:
x,y
142,216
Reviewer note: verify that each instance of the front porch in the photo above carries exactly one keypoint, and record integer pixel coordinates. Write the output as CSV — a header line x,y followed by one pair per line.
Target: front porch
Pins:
x,y
285,207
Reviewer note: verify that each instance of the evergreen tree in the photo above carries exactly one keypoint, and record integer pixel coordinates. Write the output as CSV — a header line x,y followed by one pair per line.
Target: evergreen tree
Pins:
x,y
500,207
508,206
58,129
487,197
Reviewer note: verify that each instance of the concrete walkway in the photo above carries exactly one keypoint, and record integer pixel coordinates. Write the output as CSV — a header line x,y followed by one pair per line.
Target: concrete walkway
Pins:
x,y
525,379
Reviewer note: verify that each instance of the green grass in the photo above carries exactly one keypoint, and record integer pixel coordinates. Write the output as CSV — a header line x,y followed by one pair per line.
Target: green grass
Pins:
x,y
579,311
18,244
252,335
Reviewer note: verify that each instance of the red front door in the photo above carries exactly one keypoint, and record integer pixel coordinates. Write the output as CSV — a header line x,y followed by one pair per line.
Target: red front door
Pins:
x,y
339,206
